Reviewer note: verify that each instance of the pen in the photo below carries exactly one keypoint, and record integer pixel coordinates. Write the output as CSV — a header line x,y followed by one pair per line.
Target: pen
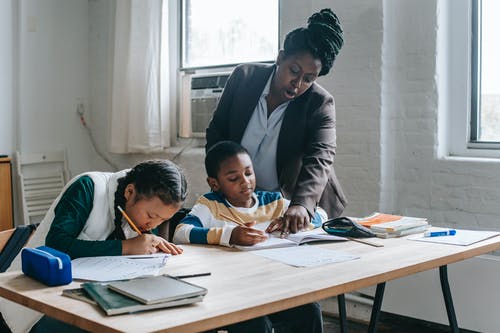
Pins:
x,y
191,275
450,232
129,221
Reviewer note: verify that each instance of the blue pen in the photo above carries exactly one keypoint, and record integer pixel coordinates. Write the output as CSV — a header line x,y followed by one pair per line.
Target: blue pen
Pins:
x,y
450,232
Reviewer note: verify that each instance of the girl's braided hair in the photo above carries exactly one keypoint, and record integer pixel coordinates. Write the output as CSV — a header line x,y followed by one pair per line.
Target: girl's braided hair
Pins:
x,y
154,178
323,38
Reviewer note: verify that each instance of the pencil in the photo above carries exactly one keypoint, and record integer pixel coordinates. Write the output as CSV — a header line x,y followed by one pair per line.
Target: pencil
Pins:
x,y
232,219
367,242
129,221
191,275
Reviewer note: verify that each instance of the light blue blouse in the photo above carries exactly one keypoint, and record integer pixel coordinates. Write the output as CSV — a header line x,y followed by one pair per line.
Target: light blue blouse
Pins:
x,y
261,140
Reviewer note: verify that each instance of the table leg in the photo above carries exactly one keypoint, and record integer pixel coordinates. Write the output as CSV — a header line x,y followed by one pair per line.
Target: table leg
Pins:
x,y
342,313
377,305
448,301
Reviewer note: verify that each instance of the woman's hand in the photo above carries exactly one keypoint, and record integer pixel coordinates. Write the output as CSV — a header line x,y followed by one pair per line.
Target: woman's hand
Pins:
x,y
148,244
246,235
295,219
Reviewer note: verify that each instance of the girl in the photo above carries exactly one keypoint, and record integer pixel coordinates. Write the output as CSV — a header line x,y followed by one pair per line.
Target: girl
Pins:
x,y
85,220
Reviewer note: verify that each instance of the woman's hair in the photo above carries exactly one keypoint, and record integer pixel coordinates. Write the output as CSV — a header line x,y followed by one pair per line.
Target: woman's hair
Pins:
x,y
323,38
220,152
154,178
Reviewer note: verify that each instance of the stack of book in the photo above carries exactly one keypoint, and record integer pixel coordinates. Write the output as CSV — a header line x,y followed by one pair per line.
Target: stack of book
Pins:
x,y
138,294
388,225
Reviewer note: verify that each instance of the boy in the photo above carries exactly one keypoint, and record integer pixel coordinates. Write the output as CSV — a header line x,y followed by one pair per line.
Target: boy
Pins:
x,y
226,215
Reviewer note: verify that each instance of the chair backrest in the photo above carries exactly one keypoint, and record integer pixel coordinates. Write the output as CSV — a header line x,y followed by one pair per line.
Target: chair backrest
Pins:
x,y
11,242
41,178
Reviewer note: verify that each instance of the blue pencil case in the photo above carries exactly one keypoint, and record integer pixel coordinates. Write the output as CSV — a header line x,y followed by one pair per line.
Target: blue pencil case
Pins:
x,y
47,265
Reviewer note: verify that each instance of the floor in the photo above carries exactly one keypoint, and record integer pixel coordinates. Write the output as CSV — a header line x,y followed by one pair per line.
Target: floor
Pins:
x,y
389,323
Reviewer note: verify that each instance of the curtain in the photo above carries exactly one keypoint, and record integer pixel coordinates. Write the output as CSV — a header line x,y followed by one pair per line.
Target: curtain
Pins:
x,y
139,121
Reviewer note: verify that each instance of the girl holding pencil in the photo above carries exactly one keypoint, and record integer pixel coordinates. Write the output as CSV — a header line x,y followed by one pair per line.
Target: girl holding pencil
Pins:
x,y
102,214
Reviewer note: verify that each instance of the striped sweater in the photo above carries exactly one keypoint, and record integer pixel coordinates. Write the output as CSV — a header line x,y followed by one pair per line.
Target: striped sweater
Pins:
x,y
208,222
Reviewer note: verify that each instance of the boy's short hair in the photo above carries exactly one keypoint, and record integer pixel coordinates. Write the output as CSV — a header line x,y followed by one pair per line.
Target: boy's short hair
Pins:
x,y
220,152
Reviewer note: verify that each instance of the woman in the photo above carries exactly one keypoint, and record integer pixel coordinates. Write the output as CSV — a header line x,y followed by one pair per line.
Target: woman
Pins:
x,y
85,221
287,121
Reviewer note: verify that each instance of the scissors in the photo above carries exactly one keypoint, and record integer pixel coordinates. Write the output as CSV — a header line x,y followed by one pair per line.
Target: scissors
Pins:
x,y
346,227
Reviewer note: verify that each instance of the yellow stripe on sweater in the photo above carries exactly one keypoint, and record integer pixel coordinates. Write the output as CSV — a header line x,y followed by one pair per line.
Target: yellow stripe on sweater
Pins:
x,y
264,213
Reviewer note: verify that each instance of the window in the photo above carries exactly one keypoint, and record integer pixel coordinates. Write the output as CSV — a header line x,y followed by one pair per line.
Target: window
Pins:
x,y
467,52
218,33
485,69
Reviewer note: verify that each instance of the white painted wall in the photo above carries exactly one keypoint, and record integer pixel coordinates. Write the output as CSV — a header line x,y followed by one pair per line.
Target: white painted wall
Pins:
x,y
416,181
386,83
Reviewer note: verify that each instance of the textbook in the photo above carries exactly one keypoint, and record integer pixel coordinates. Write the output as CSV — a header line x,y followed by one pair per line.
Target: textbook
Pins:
x,y
157,289
396,226
114,303
377,218
275,241
404,232
79,294
389,226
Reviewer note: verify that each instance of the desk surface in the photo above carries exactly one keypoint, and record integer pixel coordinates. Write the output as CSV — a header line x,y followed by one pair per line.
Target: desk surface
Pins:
x,y
244,286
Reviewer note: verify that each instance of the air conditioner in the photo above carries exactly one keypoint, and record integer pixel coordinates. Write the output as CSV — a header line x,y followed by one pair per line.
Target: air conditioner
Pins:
x,y
200,94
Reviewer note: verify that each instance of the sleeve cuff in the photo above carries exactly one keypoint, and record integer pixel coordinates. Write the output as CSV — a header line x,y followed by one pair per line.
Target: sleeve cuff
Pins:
x,y
226,236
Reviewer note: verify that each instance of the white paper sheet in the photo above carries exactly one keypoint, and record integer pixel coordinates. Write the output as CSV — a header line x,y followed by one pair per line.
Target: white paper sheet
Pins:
x,y
111,268
462,237
305,256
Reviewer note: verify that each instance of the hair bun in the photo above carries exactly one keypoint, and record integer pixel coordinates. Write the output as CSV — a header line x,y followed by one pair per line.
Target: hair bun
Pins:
x,y
325,29
323,38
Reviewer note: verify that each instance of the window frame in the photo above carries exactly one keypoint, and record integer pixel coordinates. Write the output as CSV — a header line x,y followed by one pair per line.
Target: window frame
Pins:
x,y
463,81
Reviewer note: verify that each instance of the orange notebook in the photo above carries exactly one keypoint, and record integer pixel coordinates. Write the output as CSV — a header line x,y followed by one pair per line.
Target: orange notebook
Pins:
x,y
377,218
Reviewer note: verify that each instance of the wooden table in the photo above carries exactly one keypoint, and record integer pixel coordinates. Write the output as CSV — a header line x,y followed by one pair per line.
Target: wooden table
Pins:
x,y
243,286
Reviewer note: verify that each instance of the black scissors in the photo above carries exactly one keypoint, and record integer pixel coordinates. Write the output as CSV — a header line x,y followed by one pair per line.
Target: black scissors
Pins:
x,y
346,227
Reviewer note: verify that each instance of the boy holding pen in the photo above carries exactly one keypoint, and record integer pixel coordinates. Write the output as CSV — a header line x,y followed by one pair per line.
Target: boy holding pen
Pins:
x,y
226,216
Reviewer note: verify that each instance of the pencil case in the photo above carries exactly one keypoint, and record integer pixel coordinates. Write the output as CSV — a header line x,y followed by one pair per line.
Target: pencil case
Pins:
x,y
47,265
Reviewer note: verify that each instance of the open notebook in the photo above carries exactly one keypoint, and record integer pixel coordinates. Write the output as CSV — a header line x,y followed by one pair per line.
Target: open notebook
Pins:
x,y
275,241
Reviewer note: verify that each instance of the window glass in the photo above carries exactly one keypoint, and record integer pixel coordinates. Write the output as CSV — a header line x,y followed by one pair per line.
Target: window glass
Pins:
x,y
488,80
226,32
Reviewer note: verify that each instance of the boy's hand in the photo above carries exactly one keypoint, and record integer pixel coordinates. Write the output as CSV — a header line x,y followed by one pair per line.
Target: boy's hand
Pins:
x,y
246,235
148,244
276,224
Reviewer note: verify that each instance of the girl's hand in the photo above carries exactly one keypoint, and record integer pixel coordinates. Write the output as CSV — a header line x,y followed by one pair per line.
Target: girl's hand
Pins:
x,y
246,235
167,247
148,244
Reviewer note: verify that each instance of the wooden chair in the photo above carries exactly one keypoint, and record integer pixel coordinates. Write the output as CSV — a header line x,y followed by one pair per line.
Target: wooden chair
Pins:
x,y
41,178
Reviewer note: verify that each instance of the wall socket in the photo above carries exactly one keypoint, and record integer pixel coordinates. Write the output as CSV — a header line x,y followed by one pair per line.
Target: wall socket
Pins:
x,y
80,107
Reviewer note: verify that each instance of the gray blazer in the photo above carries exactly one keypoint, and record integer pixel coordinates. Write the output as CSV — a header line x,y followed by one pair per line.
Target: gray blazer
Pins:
x,y
306,143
